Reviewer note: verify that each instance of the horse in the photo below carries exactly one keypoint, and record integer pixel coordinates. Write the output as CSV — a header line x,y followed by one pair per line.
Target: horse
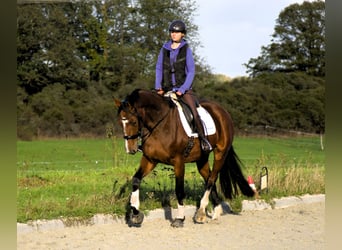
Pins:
x,y
154,120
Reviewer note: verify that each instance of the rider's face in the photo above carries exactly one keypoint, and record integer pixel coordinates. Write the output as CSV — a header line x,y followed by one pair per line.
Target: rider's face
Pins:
x,y
176,36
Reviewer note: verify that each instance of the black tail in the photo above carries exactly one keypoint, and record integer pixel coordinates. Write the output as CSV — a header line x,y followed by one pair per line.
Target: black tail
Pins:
x,y
231,176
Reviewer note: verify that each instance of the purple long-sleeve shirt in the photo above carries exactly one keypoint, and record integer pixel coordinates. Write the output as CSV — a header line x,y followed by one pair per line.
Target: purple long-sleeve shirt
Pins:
x,y
189,68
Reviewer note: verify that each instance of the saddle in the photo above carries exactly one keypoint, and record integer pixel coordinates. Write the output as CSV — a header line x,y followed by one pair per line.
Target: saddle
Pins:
x,y
187,113
187,118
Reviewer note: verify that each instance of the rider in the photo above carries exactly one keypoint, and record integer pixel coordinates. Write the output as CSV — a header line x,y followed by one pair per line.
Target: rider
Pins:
x,y
175,70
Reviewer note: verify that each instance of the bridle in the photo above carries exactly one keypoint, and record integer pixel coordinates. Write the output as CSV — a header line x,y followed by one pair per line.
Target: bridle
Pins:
x,y
140,120
132,137
135,113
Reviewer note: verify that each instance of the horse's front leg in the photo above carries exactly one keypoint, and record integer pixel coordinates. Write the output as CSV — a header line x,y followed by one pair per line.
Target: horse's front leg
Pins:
x,y
179,174
136,217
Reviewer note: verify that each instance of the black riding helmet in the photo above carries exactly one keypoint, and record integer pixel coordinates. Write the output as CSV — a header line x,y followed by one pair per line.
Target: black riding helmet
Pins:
x,y
177,26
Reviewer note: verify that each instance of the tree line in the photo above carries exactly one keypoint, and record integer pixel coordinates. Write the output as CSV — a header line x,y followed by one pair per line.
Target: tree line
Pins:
x,y
74,57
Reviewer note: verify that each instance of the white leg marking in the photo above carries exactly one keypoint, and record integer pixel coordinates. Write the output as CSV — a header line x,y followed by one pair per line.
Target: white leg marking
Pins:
x,y
217,212
135,199
180,212
205,200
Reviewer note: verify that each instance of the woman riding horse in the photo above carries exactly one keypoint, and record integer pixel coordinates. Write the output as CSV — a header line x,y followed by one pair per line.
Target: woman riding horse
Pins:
x,y
156,120
175,70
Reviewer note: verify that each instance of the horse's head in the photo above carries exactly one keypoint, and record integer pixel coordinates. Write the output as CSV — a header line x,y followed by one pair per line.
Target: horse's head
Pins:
x,y
142,108
129,121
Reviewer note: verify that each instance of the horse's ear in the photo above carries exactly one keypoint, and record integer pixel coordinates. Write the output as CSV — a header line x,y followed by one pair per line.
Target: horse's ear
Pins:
x,y
117,102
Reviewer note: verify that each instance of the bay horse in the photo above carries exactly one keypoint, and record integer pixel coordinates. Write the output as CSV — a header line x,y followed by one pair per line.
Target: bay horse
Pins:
x,y
155,119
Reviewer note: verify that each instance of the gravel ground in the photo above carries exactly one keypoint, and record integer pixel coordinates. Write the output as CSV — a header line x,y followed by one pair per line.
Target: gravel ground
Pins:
x,y
293,223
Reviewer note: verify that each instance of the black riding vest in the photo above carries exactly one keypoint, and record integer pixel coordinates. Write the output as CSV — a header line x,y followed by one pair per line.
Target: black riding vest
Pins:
x,y
178,68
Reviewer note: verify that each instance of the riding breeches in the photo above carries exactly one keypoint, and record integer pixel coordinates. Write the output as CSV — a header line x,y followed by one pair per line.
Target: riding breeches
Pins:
x,y
191,100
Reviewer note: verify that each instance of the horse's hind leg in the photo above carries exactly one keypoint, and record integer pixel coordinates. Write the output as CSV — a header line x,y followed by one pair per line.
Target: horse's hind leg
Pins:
x,y
216,203
210,194
204,170
201,216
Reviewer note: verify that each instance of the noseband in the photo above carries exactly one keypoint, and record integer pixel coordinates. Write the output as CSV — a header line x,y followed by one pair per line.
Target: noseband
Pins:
x,y
132,137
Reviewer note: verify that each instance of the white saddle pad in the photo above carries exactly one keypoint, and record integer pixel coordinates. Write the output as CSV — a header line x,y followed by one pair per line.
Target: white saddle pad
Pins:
x,y
207,120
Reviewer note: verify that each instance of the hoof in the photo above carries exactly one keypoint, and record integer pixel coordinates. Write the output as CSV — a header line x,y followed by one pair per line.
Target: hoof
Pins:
x,y
178,222
200,217
136,220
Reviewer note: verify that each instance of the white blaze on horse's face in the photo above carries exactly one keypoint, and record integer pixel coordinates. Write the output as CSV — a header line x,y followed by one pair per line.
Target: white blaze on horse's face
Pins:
x,y
124,122
131,133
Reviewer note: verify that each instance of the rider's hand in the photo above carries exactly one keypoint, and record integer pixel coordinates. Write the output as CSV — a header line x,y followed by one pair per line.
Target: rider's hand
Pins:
x,y
179,94
160,92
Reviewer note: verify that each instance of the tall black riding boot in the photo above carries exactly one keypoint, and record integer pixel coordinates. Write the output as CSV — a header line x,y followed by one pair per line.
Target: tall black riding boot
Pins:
x,y
205,144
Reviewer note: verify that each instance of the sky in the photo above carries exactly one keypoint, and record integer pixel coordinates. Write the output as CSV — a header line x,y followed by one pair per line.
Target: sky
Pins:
x,y
233,31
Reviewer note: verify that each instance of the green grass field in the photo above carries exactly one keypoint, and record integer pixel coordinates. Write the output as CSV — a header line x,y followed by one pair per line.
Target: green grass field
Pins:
x,y
82,177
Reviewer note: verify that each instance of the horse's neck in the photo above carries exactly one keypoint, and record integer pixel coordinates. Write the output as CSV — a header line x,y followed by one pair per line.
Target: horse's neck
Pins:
x,y
154,111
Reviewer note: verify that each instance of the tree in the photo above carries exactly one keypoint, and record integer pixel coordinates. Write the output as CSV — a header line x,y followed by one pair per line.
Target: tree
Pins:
x,y
46,48
29,64
298,42
73,56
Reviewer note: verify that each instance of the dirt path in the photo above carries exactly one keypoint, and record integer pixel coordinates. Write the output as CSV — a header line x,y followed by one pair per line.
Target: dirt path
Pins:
x,y
296,227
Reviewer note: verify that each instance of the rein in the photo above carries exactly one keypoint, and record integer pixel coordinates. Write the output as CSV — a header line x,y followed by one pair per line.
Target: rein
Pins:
x,y
150,130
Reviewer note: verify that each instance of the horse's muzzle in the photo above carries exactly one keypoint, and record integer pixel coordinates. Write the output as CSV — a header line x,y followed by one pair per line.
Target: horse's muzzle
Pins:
x,y
132,151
